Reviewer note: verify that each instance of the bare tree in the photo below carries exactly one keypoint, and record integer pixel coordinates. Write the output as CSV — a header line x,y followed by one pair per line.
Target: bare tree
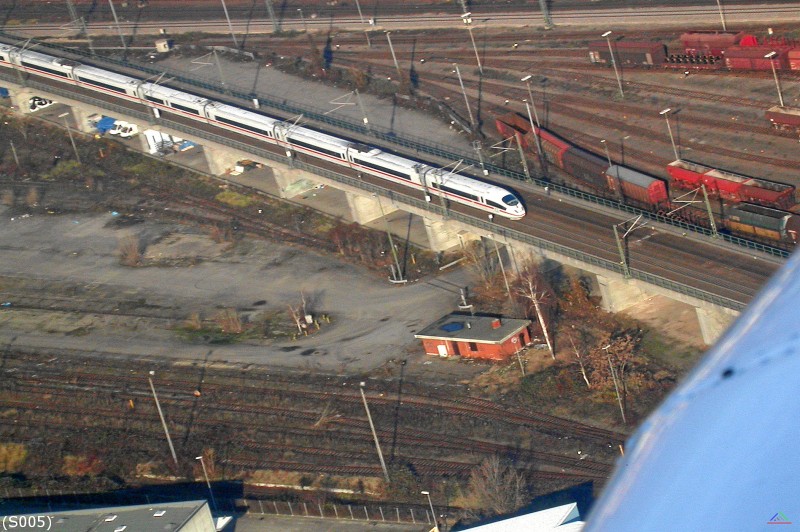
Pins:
x,y
497,487
482,261
229,321
580,362
130,253
529,290
294,312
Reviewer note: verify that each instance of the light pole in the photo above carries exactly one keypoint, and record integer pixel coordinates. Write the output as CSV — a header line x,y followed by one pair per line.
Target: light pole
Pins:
x,y
163,422
391,49
527,80
71,139
374,434
119,30
466,100
305,26
361,16
230,26
208,483
467,18
614,63
433,513
771,57
721,16
665,113
399,276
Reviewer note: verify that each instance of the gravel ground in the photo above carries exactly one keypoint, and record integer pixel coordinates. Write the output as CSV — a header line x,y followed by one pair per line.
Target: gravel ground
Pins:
x,y
373,321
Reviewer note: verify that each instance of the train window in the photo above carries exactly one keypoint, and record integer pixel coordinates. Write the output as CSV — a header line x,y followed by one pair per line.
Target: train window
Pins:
x,y
510,200
184,108
491,203
243,126
456,192
381,168
99,84
315,148
154,99
45,69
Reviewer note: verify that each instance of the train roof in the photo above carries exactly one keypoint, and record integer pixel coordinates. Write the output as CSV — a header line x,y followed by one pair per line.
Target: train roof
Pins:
x,y
100,73
29,55
152,89
480,188
386,157
630,175
316,136
241,114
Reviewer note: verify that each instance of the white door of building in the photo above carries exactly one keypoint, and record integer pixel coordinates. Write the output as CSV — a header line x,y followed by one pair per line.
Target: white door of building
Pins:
x,y
442,348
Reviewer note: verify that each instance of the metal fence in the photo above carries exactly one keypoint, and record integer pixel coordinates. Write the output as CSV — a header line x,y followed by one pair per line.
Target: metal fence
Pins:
x,y
414,202
418,144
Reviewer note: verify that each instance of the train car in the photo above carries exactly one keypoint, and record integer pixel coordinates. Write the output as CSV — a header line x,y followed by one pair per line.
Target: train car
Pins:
x,y
241,120
471,191
785,118
688,61
586,167
636,185
553,147
513,125
108,82
175,101
687,174
43,64
794,58
638,53
769,193
752,58
763,222
709,42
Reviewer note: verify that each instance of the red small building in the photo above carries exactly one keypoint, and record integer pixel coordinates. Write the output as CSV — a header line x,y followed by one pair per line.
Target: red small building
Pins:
x,y
468,336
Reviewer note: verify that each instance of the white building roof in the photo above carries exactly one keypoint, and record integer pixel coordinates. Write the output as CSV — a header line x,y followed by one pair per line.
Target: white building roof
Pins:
x,y
564,518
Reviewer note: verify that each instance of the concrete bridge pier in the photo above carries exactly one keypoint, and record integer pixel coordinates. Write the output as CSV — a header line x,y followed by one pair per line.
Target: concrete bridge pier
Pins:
x,y
714,320
291,182
619,294
443,235
221,161
365,209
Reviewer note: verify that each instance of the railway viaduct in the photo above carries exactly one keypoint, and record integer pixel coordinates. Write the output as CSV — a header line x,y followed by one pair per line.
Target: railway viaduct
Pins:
x,y
368,202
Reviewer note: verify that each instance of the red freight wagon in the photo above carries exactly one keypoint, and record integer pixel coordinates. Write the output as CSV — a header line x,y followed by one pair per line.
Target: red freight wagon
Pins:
x,y
553,148
636,185
726,184
687,174
645,53
794,59
513,125
709,42
586,167
767,193
752,58
784,117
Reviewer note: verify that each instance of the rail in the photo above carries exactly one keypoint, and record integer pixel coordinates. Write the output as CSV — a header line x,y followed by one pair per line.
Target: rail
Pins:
x,y
414,202
417,144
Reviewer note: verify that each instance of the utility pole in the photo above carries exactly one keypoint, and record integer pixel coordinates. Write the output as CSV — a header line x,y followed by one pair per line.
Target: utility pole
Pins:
x,y
276,28
230,26
394,57
665,114
71,139
361,17
548,20
466,100
363,111
119,30
616,386
607,35
374,434
721,15
163,422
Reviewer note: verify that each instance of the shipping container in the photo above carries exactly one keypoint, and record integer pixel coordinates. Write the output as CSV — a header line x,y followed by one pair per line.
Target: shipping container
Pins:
x,y
586,167
687,174
636,185
759,220
709,42
641,53
784,117
752,58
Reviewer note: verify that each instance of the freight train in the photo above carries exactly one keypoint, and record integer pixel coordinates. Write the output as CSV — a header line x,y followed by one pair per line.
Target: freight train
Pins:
x,y
757,207
292,138
702,50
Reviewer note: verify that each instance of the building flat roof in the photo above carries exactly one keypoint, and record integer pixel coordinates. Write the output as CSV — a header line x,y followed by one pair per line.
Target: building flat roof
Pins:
x,y
468,328
163,517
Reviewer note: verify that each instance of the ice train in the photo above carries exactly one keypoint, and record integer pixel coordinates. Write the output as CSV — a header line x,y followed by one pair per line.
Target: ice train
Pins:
x,y
292,138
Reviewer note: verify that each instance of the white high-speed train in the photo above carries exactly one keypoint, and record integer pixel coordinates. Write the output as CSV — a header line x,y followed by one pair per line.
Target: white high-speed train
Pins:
x,y
294,139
